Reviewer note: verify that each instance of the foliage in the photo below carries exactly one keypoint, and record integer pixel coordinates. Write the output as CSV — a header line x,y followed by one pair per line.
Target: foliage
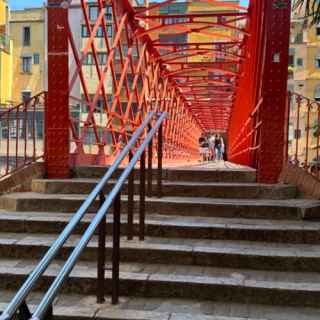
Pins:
x,y
311,9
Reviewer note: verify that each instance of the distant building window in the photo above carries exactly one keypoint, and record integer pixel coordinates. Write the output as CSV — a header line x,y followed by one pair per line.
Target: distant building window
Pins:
x,y
93,13
102,57
297,133
299,38
85,32
318,30
26,95
291,60
36,58
26,64
108,12
318,62
88,60
317,93
299,62
26,36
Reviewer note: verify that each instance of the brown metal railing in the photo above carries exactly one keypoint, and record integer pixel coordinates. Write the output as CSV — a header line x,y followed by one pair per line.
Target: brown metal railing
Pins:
x,y
303,147
136,150
22,130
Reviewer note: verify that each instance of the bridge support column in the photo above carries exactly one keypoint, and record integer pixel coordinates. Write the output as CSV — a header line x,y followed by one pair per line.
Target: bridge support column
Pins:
x,y
57,109
274,90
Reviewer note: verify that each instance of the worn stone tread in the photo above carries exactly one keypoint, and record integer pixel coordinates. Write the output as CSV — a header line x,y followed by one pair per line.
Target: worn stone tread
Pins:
x,y
175,188
85,307
177,244
255,208
75,306
282,231
308,282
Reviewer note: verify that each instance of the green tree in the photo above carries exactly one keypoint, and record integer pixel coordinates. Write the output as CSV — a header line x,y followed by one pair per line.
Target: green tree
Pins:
x,y
311,9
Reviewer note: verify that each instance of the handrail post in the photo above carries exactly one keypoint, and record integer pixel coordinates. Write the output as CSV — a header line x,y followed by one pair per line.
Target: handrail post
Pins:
x,y
159,171
101,254
130,200
142,204
24,312
150,147
116,248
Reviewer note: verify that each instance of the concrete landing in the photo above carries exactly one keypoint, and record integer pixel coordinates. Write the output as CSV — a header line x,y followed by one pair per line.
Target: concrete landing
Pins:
x,y
211,165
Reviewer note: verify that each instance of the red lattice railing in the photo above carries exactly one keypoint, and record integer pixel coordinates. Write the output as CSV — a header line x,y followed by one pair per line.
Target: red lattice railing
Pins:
x,y
130,81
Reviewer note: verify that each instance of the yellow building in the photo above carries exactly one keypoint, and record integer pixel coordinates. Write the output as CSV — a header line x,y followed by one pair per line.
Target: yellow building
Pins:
x,y
5,56
27,30
215,34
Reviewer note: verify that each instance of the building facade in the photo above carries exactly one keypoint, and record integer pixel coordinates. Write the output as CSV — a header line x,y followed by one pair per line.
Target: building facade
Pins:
x,y
27,31
6,60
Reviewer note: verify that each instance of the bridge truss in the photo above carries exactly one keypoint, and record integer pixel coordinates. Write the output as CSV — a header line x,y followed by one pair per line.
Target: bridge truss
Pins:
x,y
223,69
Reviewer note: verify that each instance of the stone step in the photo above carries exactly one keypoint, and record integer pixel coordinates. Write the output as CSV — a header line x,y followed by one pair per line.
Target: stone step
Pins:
x,y
174,188
186,206
71,306
282,231
203,174
179,281
214,253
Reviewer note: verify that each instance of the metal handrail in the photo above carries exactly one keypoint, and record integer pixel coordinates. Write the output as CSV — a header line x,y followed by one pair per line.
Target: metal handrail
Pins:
x,y
28,285
70,263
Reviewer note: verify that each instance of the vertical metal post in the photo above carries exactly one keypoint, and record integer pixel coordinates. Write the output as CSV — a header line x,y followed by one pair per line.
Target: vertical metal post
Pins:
x,y
34,128
24,312
17,136
101,254
274,88
25,107
297,128
159,171
116,248
307,136
130,201
8,143
57,117
149,190
142,203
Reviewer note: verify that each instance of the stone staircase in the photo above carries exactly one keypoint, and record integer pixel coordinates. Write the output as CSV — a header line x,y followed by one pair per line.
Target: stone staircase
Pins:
x,y
218,247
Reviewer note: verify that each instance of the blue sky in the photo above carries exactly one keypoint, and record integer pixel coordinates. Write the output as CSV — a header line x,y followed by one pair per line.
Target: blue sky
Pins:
x,y
20,4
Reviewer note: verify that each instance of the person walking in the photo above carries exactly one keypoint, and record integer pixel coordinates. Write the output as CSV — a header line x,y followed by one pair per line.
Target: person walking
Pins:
x,y
217,147
204,147
212,146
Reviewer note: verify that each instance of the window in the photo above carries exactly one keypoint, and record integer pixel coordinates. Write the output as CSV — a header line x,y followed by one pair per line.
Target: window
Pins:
x,y
317,93
318,62
318,30
299,62
26,64
108,12
299,38
291,60
297,134
102,57
88,61
85,32
26,95
36,58
26,36
93,13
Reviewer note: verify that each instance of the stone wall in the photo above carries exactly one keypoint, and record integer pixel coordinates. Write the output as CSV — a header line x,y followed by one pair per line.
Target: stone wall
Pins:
x,y
308,186
21,179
